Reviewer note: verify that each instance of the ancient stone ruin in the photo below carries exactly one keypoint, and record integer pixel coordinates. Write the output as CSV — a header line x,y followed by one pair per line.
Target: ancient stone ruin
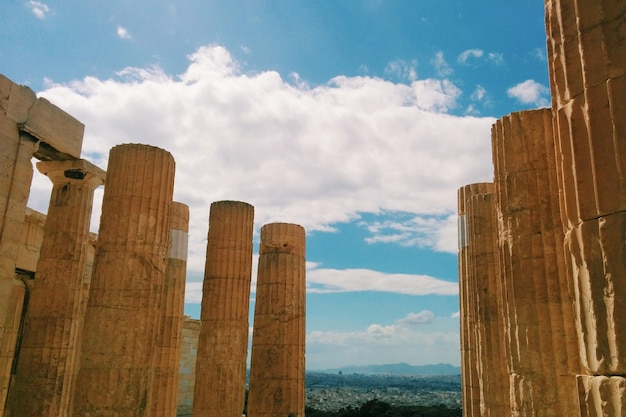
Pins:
x,y
542,250
93,325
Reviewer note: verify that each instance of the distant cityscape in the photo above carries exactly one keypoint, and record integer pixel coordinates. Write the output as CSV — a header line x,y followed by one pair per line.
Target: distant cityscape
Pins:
x,y
396,384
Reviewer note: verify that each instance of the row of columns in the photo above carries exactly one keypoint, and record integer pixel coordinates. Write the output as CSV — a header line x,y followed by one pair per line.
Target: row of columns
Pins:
x,y
277,360
554,221
114,349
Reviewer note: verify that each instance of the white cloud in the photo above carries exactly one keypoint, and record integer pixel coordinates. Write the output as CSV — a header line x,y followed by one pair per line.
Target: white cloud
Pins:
x,y
470,53
440,64
379,343
479,93
423,317
434,232
456,315
474,55
123,33
314,156
402,70
39,9
495,58
321,280
530,92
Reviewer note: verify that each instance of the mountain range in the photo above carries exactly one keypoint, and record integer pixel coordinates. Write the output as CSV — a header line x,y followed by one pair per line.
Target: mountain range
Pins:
x,y
398,369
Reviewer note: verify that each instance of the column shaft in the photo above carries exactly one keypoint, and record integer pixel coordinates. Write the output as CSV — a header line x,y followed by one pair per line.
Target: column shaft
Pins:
x,y
540,321
46,369
587,63
223,343
277,366
485,378
16,172
124,308
168,346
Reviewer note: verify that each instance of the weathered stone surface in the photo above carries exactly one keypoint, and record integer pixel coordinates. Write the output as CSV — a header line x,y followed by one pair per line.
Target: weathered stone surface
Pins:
x,y
45,373
124,307
485,378
16,173
539,323
168,345
602,396
597,254
278,343
587,63
223,342
586,50
187,368
32,236
61,134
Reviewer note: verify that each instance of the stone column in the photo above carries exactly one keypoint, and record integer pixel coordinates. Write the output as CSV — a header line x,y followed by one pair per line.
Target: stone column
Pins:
x,y
540,320
187,374
587,64
124,308
46,369
223,342
168,346
278,342
16,172
483,355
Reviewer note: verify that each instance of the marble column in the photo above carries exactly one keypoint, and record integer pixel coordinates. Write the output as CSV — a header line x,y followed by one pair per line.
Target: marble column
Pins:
x,y
483,353
168,346
278,342
540,320
223,342
587,67
16,172
47,363
124,308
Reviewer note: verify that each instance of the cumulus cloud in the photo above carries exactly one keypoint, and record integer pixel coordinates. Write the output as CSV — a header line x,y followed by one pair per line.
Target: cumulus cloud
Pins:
x,y
495,58
530,92
39,9
440,64
123,33
315,156
407,340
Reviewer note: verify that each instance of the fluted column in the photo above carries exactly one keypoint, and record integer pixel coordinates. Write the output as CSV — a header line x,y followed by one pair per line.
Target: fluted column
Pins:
x,y
541,331
223,342
124,307
587,63
168,346
16,173
44,378
278,342
483,355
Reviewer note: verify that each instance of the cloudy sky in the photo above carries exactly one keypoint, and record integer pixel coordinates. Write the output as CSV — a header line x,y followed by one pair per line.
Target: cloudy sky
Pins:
x,y
358,119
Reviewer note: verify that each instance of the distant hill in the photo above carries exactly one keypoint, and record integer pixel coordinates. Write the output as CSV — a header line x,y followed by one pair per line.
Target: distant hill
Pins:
x,y
399,369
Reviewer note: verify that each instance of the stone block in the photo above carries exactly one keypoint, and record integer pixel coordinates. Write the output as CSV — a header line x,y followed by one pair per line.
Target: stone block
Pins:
x,y
56,128
15,100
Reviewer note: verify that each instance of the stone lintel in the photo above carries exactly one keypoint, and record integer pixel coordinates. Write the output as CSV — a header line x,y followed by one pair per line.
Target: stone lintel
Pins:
x,y
55,127
59,131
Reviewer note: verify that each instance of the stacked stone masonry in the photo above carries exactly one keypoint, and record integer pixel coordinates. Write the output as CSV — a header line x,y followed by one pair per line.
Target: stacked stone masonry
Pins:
x,y
223,342
125,299
539,319
483,356
560,192
168,345
278,342
103,331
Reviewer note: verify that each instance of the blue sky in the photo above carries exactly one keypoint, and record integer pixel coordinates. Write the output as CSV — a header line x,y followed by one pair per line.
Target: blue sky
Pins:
x,y
356,119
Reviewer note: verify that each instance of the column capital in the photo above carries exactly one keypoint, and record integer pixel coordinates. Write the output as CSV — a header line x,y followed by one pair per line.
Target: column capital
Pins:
x,y
68,170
